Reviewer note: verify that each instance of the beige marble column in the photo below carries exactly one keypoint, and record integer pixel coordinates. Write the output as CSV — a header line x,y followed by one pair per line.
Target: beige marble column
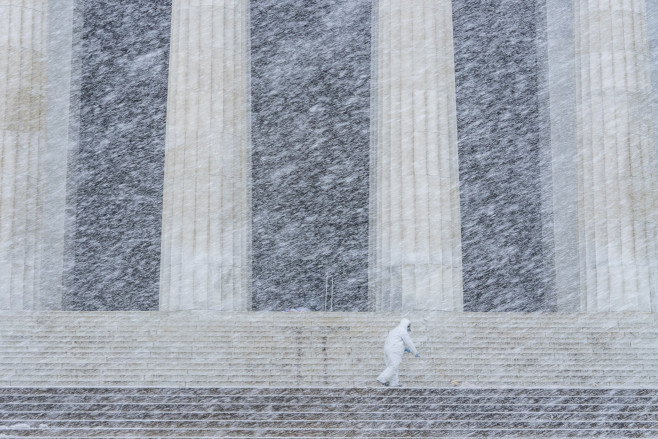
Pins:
x,y
205,223
415,238
23,27
616,157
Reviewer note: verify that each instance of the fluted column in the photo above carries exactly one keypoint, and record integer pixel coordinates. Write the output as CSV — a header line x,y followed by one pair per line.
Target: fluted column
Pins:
x,y
617,157
561,217
61,122
652,28
415,242
205,237
23,28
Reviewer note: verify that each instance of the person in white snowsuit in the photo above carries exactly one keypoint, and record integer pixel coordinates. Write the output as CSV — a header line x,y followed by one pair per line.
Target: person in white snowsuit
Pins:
x,y
397,343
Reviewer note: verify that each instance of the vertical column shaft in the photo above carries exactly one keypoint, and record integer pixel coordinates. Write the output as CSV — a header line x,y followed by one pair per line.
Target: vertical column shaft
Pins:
x,y
23,27
561,87
652,28
616,157
54,160
416,241
205,238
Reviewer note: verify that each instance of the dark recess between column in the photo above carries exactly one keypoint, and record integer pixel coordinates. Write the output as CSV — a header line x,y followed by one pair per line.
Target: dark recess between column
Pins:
x,y
116,175
497,45
310,97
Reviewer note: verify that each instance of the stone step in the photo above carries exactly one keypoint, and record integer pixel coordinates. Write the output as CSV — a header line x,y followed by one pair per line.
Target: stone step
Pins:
x,y
344,382
468,381
174,329
330,392
356,326
322,433
374,352
326,355
365,343
359,425
342,349
118,336
304,412
144,418
320,367
58,398
440,342
444,412
132,358
116,411
336,369
337,381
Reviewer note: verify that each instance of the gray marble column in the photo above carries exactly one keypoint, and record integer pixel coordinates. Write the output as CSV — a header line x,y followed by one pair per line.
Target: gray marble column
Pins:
x,y
415,235
616,157
205,223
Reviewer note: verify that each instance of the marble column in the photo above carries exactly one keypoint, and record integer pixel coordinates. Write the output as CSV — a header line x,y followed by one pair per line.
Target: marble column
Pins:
x,y
562,220
23,29
652,28
205,236
616,157
61,127
415,231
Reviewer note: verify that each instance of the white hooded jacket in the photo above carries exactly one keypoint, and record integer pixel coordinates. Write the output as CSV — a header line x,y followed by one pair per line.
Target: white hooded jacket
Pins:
x,y
397,339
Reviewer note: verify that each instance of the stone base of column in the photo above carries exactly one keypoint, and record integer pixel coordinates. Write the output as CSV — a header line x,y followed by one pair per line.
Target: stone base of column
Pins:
x,y
417,287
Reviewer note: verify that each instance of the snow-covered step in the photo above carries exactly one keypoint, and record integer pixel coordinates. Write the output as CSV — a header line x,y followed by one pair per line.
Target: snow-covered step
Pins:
x,y
322,412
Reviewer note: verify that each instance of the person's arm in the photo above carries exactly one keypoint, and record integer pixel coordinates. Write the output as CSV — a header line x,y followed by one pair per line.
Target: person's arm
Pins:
x,y
408,343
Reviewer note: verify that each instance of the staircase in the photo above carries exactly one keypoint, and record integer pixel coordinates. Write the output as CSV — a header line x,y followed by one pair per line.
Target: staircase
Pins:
x,y
335,413
211,349
232,375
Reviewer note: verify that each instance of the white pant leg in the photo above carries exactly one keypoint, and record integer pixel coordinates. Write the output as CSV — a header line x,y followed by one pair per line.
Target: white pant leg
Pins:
x,y
395,380
387,375
390,374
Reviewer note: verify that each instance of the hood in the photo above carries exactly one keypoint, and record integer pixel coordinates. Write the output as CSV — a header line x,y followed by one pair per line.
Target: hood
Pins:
x,y
404,323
